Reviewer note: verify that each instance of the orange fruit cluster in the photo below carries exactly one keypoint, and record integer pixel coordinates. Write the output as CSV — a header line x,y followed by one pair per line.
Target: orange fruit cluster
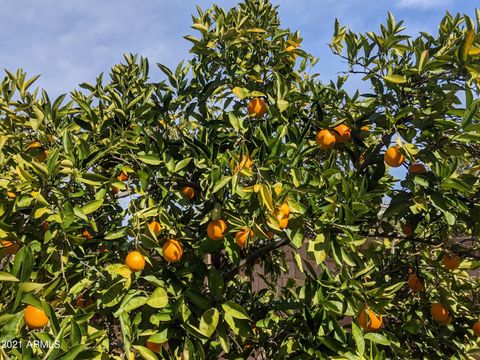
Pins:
x,y
172,251
35,318
135,261
9,247
281,215
122,176
393,156
369,320
440,313
327,138
156,227
155,347
416,283
242,236
257,107
451,262
216,229
188,192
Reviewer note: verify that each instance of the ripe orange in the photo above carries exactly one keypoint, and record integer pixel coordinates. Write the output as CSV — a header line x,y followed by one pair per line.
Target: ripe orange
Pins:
x,y
476,328
417,169
45,226
407,230
284,209
216,229
365,128
439,312
282,219
115,190
155,347
325,139
122,176
172,250
9,247
416,283
188,192
35,318
342,133
135,261
42,156
451,262
11,195
83,302
257,107
86,234
369,320
393,157
241,237
156,227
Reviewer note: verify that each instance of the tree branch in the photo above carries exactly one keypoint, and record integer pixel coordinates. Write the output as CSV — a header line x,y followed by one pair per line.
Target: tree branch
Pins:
x,y
256,255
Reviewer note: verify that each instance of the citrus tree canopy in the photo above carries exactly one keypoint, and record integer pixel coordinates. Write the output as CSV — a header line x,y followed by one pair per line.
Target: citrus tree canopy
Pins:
x,y
137,217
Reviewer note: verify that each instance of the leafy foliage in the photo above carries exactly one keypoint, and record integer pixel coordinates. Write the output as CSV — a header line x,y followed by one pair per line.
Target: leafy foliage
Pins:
x,y
83,178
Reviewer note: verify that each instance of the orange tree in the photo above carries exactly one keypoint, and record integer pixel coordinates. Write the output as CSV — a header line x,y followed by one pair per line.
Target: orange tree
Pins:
x,y
135,216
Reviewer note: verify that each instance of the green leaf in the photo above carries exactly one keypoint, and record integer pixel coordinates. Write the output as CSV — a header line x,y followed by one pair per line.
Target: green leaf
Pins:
x,y
223,337
145,353
93,179
240,92
395,79
235,121
91,206
67,141
134,303
200,27
266,196
422,61
182,163
79,213
132,103
235,311
358,337
377,338
282,105
466,44
40,212
72,353
298,261
116,234
219,185
158,299
208,322
4,276
256,31
150,159
295,233
30,286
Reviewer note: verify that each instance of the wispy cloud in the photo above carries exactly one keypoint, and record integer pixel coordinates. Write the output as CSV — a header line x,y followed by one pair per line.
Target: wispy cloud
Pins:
x,y
423,4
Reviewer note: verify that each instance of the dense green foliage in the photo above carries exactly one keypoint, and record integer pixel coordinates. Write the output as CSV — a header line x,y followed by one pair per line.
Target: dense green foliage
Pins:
x,y
193,129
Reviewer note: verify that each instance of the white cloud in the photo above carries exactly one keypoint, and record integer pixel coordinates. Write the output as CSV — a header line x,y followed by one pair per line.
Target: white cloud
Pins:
x,y
423,4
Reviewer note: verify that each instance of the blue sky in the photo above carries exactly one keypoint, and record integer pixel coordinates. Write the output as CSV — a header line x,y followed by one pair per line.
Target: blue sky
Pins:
x,y
70,42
